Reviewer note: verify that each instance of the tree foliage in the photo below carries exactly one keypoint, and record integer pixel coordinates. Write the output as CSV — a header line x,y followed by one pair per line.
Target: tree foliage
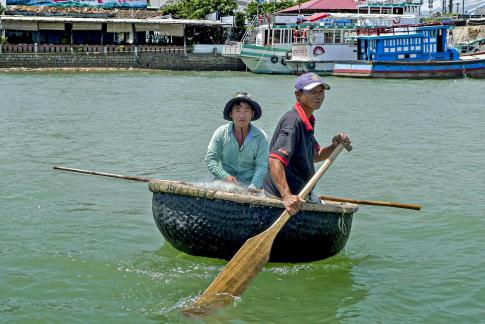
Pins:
x,y
198,9
255,8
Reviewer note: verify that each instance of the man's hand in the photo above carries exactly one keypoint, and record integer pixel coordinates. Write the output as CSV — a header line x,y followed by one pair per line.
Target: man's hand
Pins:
x,y
231,179
341,138
292,203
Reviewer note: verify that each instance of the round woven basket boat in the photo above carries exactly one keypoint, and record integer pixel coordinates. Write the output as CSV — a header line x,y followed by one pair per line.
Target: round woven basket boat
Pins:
x,y
214,223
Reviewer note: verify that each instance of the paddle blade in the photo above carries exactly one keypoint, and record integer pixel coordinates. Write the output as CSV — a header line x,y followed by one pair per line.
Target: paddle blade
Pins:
x,y
236,276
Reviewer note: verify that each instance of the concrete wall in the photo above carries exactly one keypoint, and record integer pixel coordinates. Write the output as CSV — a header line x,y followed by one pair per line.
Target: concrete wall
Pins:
x,y
163,61
464,34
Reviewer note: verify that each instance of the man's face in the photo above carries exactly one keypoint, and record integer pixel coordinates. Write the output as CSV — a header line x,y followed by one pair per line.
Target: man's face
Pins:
x,y
241,114
311,98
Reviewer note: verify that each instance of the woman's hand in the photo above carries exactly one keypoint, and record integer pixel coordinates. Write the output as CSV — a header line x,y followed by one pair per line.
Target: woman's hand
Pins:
x,y
231,179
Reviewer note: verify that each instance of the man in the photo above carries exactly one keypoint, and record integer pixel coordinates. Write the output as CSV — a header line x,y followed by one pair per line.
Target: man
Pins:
x,y
238,151
294,149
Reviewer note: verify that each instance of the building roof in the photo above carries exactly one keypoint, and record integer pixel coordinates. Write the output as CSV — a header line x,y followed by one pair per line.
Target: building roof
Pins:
x,y
323,5
111,20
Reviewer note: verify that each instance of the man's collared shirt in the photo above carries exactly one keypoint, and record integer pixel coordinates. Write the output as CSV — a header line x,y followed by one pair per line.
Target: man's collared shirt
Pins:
x,y
248,162
294,144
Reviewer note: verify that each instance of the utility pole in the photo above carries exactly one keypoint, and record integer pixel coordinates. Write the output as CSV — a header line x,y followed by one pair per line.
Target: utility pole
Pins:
x,y
443,7
450,6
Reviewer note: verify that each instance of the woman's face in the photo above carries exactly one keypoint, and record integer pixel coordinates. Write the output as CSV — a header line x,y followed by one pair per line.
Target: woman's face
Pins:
x,y
241,114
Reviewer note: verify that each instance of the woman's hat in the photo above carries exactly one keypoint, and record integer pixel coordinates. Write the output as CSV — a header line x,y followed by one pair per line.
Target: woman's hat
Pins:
x,y
242,96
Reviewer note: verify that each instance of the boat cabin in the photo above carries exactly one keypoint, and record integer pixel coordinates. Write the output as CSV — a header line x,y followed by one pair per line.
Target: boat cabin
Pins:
x,y
405,43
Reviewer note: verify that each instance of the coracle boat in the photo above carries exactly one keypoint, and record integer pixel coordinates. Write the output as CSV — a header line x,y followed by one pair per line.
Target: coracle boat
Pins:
x,y
215,223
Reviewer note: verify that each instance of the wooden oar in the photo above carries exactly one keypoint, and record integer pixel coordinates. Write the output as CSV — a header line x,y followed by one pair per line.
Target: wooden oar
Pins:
x,y
250,259
112,175
373,202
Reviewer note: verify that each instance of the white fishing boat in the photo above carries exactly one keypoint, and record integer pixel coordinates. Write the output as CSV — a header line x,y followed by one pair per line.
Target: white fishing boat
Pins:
x,y
267,44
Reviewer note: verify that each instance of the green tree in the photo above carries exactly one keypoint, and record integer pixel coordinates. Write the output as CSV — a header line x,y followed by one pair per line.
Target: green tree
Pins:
x,y
254,7
198,9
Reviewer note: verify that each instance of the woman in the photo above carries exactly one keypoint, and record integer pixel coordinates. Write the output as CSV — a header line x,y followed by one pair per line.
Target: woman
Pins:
x,y
238,151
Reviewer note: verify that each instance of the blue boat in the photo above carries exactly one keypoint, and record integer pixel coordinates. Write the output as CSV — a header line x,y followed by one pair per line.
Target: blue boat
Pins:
x,y
410,51
416,51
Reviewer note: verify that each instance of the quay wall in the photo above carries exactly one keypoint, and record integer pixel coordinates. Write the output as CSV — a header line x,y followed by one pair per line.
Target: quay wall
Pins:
x,y
161,61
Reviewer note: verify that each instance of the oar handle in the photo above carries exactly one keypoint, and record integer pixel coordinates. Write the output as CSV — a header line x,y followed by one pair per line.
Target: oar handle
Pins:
x,y
373,202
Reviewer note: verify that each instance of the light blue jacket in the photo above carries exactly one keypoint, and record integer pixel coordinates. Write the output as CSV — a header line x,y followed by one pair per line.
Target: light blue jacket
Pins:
x,y
248,163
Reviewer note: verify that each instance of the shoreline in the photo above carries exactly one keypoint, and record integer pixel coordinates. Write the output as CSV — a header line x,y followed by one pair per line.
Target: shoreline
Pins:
x,y
76,69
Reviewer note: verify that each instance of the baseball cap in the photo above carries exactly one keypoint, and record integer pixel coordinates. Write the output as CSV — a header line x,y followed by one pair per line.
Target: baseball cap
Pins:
x,y
309,81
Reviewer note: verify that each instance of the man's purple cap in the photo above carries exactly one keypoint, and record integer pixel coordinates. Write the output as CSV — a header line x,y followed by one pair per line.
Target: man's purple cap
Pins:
x,y
309,81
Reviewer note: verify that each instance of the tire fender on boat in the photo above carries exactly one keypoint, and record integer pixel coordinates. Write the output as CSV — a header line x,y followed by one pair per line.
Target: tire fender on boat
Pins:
x,y
288,55
283,61
274,59
311,65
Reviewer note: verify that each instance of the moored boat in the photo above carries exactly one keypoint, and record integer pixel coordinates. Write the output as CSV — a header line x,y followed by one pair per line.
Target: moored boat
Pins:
x,y
215,223
413,51
267,45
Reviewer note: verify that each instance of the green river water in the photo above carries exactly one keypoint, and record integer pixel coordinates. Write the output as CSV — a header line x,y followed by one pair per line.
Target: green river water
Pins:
x,y
80,248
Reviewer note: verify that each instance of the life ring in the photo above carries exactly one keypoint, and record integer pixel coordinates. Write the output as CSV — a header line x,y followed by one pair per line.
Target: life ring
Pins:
x,y
311,65
274,59
318,50
283,61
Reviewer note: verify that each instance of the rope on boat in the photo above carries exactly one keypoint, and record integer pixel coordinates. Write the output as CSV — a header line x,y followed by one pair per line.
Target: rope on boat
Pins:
x,y
341,221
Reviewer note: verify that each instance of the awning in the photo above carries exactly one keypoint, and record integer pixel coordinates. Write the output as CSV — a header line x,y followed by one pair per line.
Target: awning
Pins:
x,y
51,26
20,25
317,16
118,28
86,26
147,27
172,30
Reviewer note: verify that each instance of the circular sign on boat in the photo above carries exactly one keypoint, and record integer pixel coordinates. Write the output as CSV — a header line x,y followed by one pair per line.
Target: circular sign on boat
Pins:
x,y
318,50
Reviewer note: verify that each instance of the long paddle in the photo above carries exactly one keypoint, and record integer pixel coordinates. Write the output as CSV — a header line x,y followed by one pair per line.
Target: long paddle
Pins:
x,y
373,202
251,257
143,179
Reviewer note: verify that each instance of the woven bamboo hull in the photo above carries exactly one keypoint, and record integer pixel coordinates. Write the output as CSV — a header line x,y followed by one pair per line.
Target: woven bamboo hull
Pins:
x,y
217,228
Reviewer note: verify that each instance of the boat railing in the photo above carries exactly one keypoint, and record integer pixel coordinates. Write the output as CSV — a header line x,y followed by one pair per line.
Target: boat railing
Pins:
x,y
390,2
398,29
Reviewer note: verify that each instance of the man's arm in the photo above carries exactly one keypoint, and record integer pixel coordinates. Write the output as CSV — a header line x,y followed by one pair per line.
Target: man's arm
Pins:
x,y
292,202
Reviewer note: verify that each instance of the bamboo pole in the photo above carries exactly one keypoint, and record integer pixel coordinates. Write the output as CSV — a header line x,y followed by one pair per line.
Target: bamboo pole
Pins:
x,y
373,202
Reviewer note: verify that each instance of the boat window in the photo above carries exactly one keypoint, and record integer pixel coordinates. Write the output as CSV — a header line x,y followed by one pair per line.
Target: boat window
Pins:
x,y
338,38
276,36
328,37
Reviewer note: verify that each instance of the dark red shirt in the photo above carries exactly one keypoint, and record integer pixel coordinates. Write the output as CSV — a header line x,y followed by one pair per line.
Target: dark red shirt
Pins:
x,y
294,145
